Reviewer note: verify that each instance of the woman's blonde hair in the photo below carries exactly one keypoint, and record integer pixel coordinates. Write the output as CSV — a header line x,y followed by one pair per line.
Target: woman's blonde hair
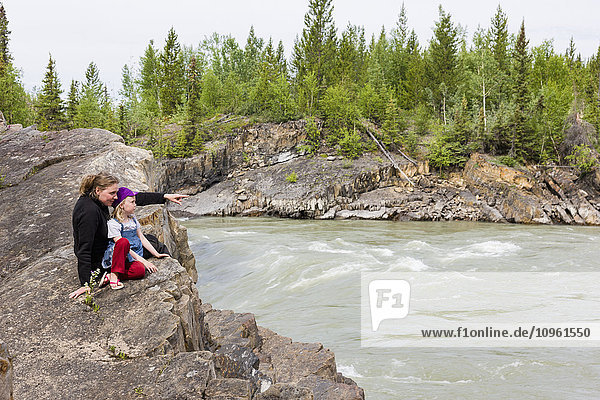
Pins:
x,y
101,181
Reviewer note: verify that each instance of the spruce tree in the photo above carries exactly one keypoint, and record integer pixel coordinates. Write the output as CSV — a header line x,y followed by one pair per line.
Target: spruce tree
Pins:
x,y
499,39
316,50
5,57
128,89
193,106
251,58
351,67
346,55
415,74
499,45
149,81
109,117
72,103
172,74
281,61
89,110
14,101
521,140
50,105
271,95
443,63
123,124
398,67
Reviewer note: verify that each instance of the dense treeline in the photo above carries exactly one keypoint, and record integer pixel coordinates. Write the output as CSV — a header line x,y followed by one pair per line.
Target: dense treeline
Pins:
x,y
493,93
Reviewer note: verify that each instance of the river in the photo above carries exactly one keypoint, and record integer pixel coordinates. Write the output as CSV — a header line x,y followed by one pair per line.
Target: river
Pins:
x,y
302,279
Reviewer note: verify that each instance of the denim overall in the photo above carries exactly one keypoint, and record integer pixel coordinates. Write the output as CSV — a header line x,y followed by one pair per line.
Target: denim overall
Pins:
x,y
135,244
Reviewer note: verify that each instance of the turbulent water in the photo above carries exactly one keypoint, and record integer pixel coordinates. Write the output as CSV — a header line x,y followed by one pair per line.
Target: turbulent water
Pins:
x,y
302,279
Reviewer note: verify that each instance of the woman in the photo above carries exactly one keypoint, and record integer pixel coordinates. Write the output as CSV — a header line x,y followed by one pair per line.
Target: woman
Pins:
x,y
90,217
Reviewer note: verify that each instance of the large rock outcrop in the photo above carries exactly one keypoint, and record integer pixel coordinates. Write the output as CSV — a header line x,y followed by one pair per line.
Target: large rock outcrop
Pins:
x,y
536,195
150,339
249,174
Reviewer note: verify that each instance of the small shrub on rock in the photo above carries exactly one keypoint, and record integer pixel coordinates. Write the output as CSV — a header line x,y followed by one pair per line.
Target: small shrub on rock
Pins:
x,y
292,178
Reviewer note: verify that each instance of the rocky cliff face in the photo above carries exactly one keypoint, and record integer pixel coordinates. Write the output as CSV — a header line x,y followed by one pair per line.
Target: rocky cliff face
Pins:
x,y
153,339
249,175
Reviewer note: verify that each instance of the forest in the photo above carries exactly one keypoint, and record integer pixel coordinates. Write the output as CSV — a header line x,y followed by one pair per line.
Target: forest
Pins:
x,y
492,92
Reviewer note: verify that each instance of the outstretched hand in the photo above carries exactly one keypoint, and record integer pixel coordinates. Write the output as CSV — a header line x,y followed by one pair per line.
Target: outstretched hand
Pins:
x,y
175,198
162,255
79,292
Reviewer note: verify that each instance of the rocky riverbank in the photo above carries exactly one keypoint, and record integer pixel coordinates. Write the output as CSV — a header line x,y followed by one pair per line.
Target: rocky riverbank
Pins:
x,y
155,338
262,171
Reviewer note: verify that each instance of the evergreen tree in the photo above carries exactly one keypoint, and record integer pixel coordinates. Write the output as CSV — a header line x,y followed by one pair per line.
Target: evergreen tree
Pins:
x,y
193,105
72,103
443,63
415,74
251,58
521,141
570,53
399,56
89,110
271,95
316,50
499,45
129,104
123,124
352,57
378,65
49,104
281,61
109,117
128,89
499,39
173,75
181,145
450,147
14,101
5,57
150,81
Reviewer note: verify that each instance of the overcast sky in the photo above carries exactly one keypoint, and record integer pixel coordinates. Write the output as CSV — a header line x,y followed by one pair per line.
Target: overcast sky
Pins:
x,y
115,32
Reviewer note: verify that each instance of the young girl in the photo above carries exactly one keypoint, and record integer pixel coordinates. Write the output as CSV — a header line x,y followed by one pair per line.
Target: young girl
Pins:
x,y
124,253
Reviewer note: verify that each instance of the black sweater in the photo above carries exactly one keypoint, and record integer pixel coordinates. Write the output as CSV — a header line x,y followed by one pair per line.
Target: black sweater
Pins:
x,y
90,231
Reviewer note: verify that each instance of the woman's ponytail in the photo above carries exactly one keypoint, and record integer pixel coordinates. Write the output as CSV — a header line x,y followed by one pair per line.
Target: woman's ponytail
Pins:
x,y
89,183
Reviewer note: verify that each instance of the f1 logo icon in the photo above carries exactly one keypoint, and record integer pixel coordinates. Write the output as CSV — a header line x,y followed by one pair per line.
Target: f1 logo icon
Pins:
x,y
388,299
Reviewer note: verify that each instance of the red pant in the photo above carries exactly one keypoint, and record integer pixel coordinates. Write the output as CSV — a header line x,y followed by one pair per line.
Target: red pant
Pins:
x,y
122,266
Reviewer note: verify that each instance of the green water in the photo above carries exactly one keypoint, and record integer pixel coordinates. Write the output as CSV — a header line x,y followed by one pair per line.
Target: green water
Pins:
x,y
302,279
